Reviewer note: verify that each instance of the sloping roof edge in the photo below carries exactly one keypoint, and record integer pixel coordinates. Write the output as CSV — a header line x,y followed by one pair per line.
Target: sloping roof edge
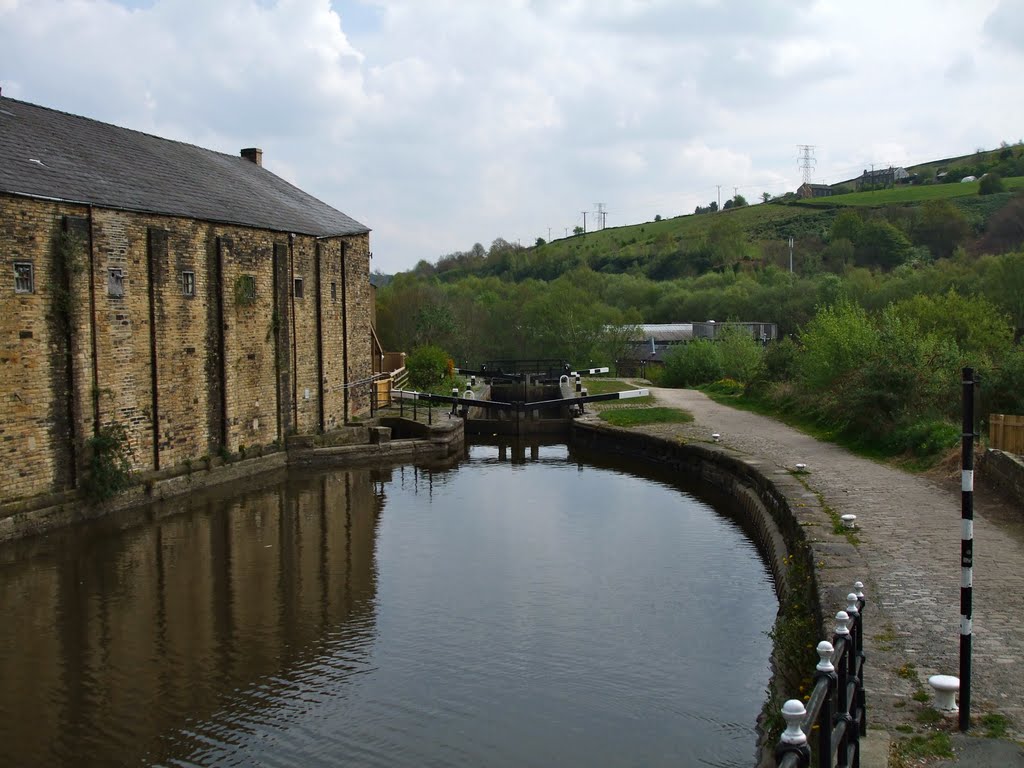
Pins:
x,y
53,155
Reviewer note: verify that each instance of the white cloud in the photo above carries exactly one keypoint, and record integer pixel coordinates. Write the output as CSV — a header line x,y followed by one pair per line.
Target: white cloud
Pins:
x,y
439,124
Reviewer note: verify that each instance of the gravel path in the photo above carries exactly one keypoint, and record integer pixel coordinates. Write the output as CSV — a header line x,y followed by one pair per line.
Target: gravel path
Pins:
x,y
910,545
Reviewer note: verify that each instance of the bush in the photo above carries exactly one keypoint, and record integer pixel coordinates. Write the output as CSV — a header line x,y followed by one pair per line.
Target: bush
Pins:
x,y
427,366
110,467
780,360
726,386
926,438
740,355
688,365
991,184
835,342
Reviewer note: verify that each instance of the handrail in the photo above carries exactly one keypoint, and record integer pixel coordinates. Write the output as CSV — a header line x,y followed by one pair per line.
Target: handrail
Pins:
x,y
836,705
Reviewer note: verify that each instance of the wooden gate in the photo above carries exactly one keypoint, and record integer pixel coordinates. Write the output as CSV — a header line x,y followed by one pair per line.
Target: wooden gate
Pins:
x,y
1006,433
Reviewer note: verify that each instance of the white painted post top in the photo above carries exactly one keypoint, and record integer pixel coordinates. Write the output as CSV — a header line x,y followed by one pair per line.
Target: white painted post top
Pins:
x,y
825,650
793,712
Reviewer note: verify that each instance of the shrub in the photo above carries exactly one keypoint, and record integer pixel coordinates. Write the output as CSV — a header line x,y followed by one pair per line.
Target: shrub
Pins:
x,y
780,360
838,340
740,355
725,387
925,438
691,364
990,184
427,366
110,467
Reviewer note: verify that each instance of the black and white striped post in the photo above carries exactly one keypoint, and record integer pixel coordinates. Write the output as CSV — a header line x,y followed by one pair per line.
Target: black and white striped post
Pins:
x,y
966,548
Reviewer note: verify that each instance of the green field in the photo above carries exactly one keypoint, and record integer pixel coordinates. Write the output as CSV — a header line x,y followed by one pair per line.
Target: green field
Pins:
x,y
638,417
909,194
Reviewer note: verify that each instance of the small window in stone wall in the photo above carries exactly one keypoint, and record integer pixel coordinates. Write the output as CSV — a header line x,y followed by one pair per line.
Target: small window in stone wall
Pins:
x,y
298,288
188,283
24,277
334,291
245,290
115,282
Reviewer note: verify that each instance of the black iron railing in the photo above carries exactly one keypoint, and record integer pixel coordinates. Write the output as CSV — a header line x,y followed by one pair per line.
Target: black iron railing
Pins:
x,y
835,710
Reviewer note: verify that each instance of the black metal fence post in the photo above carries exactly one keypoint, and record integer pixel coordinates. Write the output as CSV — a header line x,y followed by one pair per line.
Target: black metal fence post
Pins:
x,y
826,671
966,549
835,704
858,592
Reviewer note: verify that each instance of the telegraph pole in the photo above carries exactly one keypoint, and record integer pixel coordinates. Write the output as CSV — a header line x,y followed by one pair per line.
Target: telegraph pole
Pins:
x,y
584,222
719,196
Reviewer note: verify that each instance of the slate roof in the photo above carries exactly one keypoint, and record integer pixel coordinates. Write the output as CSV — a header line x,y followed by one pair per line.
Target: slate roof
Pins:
x,y
50,154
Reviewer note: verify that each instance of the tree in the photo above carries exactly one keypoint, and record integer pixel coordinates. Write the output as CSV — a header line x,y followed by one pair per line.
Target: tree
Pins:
x,y
741,356
941,227
765,197
847,226
980,329
434,323
739,201
427,366
540,241
577,230
657,217
881,244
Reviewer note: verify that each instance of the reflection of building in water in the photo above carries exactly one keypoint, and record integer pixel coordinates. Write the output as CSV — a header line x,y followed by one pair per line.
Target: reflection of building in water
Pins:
x,y
111,642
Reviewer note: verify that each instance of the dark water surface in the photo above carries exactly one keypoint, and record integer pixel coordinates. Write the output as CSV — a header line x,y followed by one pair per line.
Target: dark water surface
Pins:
x,y
536,612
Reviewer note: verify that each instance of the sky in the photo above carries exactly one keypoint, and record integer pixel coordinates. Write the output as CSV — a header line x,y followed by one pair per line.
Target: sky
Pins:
x,y
443,123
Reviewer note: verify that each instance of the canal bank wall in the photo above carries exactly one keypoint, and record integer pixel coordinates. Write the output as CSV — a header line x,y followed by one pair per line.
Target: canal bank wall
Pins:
x,y
381,442
810,559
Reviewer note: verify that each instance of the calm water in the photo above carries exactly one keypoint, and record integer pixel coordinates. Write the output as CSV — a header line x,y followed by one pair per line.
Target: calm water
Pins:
x,y
520,609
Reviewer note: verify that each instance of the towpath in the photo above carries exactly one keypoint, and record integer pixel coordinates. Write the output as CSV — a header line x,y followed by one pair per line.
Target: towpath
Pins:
x,y
910,546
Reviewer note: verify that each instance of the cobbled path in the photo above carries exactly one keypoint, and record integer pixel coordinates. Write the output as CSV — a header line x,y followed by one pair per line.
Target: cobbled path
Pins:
x,y
910,545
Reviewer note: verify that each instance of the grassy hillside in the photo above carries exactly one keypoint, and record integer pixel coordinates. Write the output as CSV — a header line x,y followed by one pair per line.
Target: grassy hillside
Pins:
x,y
756,222
907,194
753,237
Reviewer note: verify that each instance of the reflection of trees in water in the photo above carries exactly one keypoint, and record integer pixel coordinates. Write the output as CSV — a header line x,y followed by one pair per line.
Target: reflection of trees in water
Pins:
x,y
115,640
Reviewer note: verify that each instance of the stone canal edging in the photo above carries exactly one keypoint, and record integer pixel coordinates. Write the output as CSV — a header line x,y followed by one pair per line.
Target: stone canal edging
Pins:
x,y
358,445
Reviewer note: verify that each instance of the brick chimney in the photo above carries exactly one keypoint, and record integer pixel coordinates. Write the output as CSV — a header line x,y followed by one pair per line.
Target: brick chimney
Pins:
x,y
253,155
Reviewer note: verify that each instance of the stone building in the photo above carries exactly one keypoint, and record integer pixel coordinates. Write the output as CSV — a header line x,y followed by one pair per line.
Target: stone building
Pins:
x,y
193,297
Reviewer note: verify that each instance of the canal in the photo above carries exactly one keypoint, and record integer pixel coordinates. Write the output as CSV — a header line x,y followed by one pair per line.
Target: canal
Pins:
x,y
527,606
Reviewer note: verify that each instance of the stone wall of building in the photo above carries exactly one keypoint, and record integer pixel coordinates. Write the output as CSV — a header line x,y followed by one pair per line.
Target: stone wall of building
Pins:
x,y
35,430
188,334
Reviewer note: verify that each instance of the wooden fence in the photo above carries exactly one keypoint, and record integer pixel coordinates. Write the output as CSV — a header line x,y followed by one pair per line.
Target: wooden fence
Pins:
x,y
1006,433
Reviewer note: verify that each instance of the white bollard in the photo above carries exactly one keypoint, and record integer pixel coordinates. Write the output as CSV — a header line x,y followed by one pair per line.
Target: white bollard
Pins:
x,y
946,688
716,437
849,521
800,467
